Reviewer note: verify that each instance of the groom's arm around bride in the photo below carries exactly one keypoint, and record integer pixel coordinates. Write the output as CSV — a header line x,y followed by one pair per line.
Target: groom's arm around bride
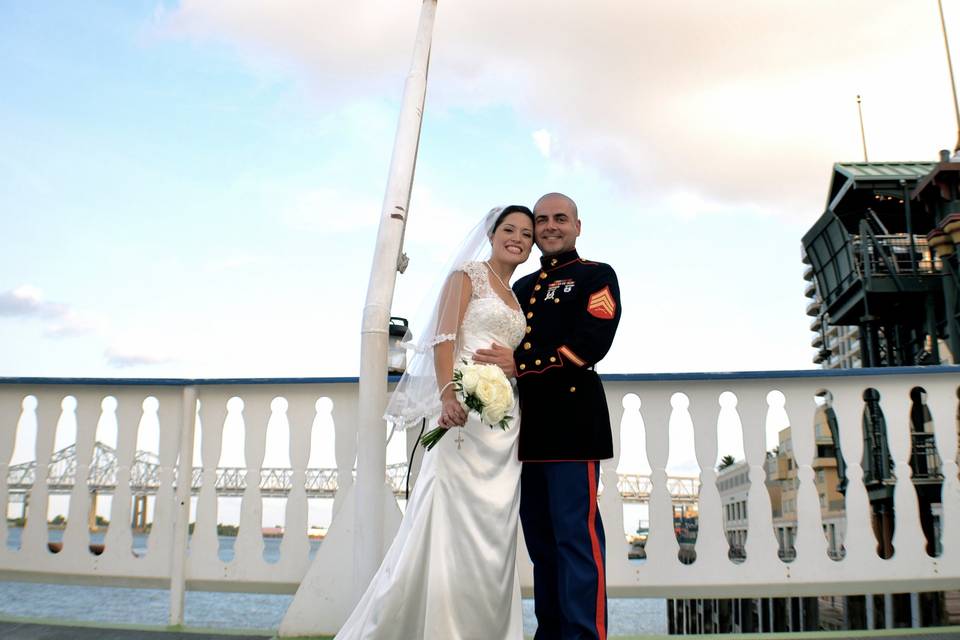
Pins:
x,y
572,307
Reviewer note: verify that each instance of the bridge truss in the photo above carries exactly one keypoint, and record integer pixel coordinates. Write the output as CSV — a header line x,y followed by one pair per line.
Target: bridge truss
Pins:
x,y
273,482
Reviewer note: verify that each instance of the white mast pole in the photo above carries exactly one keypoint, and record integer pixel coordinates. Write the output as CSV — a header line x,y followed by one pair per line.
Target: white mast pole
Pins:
x,y
953,82
371,432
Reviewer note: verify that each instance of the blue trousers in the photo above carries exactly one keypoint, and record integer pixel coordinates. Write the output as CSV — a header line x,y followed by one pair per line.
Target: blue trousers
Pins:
x,y
564,536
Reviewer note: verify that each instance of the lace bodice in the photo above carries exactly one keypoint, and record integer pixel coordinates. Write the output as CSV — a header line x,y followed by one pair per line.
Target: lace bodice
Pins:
x,y
488,318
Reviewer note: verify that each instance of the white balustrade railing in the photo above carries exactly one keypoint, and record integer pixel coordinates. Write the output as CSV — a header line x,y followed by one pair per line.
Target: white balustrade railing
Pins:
x,y
181,561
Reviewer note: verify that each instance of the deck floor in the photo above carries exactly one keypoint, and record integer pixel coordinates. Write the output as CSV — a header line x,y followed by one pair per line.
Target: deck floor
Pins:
x,y
40,631
17,630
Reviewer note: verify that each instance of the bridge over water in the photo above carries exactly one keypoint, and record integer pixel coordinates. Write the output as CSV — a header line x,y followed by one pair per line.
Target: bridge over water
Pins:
x,y
274,482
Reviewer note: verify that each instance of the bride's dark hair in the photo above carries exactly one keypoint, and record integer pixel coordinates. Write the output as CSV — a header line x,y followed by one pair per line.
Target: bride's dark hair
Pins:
x,y
513,208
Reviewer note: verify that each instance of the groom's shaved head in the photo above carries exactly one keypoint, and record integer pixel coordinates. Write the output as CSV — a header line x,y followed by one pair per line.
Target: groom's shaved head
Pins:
x,y
549,199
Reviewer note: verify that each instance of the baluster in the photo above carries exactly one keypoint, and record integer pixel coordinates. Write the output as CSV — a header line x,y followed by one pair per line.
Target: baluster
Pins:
x,y
326,591
942,400
711,546
169,412
859,541
344,414
611,502
186,436
276,472
662,546
11,407
256,414
144,473
800,406
77,534
35,535
295,546
103,466
204,544
761,546
682,459
119,539
908,539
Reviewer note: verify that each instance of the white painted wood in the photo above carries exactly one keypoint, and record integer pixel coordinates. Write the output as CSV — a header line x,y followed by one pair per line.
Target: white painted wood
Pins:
x,y
662,575
811,544
76,538
119,539
908,538
661,547
711,544
345,416
204,543
761,546
160,541
256,414
178,564
11,407
301,410
610,501
34,536
943,400
860,543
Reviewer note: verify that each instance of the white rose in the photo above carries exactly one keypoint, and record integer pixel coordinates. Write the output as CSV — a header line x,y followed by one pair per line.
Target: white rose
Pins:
x,y
500,403
503,398
491,372
490,416
470,378
485,391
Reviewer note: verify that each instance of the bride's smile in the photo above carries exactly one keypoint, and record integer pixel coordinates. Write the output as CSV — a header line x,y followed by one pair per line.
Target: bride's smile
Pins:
x,y
511,242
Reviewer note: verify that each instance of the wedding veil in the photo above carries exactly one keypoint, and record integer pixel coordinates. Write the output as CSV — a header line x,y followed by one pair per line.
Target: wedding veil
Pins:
x,y
417,395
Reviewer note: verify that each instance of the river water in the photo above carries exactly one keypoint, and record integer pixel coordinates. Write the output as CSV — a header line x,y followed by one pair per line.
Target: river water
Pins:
x,y
628,616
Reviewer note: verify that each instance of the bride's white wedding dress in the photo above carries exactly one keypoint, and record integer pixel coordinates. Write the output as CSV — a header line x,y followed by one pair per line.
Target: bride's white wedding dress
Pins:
x,y
451,570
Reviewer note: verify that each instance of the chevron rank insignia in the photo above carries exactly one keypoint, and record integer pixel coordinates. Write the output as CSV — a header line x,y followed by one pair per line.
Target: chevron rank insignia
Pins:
x,y
602,305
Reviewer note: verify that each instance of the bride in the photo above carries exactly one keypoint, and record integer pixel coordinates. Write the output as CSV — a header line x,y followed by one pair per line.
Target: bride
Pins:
x,y
451,570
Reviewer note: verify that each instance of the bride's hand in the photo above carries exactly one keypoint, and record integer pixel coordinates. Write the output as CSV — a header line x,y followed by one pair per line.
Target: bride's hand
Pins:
x,y
451,414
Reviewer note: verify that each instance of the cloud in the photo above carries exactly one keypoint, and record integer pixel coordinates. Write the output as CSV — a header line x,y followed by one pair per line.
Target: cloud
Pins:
x,y
27,301
542,139
122,359
749,102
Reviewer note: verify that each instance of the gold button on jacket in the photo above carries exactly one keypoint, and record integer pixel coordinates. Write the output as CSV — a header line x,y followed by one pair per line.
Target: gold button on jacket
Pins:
x,y
564,409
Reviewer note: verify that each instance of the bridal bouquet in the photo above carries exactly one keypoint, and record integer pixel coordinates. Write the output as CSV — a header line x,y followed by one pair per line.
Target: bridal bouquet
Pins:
x,y
482,388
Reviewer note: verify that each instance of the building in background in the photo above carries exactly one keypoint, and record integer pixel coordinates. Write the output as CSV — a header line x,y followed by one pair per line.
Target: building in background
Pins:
x,y
881,277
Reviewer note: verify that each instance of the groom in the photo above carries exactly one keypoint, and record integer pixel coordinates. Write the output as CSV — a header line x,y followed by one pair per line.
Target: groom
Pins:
x,y
572,308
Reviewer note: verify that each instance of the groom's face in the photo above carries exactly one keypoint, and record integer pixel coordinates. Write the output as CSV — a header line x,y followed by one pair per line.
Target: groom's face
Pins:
x,y
556,225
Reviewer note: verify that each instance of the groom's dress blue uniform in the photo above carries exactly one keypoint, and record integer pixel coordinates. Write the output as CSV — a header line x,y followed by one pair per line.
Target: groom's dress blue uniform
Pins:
x,y
572,308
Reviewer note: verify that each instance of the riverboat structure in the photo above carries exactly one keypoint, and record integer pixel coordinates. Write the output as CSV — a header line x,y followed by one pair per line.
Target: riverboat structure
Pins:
x,y
883,277
182,554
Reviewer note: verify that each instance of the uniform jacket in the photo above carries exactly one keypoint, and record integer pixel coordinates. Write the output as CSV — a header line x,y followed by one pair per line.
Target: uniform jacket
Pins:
x,y
573,309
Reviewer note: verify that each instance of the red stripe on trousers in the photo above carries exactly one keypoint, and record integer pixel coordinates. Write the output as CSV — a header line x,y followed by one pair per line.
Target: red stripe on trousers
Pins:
x,y
597,557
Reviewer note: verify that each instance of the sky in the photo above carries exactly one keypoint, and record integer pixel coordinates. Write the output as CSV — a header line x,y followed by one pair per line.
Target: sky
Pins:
x,y
193,189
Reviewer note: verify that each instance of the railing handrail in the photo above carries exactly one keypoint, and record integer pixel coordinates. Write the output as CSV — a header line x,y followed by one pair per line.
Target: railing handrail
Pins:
x,y
612,377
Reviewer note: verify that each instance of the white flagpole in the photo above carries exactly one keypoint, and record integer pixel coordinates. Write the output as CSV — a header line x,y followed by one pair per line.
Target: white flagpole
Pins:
x,y
371,432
